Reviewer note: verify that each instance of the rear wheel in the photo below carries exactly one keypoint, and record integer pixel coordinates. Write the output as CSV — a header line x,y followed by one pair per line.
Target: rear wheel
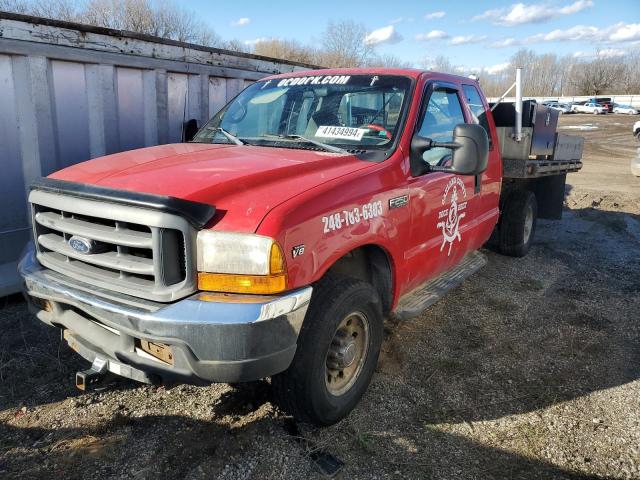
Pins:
x,y
518,223
337,352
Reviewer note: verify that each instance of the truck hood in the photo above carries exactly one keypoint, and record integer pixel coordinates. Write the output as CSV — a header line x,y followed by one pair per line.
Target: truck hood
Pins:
x,y
243,182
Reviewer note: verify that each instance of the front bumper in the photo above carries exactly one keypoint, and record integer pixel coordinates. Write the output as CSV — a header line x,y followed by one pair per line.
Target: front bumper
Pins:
x,y
212,338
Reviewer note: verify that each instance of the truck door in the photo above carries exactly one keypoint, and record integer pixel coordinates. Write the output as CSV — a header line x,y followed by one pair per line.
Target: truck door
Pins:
x,y
442,204
489,182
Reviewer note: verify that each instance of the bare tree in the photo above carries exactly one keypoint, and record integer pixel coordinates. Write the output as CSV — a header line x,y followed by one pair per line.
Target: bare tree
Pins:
x,y
343,45
630,79
439,64
235,45
285,49
598,76
387,61
160,18
15,6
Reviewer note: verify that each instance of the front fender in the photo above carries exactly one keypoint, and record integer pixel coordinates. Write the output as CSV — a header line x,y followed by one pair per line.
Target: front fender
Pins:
x,y
320,226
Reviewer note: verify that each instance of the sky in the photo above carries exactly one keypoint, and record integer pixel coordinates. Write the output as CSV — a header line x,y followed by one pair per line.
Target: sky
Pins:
x,y
473,34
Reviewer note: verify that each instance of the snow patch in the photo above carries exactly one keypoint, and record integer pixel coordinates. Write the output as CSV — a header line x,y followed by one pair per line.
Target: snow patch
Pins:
x,y
586,126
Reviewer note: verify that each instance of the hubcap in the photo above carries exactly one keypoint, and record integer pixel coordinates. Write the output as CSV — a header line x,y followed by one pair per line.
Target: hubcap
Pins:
x,y
347,353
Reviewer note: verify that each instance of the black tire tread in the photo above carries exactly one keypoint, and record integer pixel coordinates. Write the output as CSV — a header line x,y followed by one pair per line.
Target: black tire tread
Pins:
x,y
512,223
288,387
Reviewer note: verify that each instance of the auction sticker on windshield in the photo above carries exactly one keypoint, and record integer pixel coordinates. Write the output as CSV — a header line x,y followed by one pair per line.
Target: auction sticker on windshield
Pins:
x,y
345,133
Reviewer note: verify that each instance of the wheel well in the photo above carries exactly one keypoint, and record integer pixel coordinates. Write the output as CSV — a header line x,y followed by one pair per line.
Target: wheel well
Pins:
x,y
371,264
549,192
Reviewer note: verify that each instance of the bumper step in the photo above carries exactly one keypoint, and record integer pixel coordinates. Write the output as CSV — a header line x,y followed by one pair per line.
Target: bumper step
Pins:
x,y
417,301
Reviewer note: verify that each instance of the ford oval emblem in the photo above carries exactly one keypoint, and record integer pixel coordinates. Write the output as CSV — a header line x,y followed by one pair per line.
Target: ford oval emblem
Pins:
x,y
81,244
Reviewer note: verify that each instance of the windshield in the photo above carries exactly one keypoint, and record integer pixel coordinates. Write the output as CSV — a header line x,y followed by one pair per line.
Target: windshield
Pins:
x,y
353,112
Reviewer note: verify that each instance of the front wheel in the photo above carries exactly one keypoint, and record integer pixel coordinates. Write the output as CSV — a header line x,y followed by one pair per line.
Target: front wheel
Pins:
x,y
337,352
518,223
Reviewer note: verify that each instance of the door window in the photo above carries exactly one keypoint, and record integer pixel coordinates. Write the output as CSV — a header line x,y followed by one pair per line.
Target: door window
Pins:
x,y
443,113
478,112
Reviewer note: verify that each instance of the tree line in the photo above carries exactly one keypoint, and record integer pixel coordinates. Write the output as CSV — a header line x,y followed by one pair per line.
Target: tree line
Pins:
x,y
549,75
343,44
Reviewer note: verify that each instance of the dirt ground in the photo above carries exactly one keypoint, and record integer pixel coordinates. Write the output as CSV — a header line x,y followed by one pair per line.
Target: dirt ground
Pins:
x,y
530,369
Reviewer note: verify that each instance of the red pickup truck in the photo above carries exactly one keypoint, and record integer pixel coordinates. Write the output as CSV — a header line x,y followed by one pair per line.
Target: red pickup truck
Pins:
x,y
275,240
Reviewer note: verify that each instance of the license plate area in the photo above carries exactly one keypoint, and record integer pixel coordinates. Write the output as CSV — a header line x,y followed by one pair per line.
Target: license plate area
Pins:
x,y
159,351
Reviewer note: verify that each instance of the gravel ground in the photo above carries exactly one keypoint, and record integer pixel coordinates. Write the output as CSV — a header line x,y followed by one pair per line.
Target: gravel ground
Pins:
x,y
530,369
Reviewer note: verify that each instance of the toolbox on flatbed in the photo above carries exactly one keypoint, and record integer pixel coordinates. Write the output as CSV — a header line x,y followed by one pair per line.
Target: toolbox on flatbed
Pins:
x,y
542,151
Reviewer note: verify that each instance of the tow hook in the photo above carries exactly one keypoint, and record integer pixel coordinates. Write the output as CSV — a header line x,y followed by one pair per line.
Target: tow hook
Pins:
x,y
90,378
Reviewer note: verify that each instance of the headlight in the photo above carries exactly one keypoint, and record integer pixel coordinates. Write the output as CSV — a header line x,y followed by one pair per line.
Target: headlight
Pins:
x,y
240,263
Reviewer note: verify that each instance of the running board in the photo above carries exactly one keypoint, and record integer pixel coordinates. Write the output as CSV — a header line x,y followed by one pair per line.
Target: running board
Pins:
x,y
417,301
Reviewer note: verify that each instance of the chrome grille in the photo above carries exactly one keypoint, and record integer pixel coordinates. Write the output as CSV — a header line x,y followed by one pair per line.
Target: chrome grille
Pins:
x,y
141,252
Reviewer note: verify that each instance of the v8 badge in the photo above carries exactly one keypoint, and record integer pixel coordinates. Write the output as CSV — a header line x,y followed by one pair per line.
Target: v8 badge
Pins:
x,y
297,251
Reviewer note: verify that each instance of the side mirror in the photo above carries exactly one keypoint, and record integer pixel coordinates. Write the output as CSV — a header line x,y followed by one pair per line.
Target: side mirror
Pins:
x,y
470,147
189,130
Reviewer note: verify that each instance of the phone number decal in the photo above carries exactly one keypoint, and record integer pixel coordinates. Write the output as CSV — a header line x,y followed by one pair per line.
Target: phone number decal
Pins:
x,y
346,218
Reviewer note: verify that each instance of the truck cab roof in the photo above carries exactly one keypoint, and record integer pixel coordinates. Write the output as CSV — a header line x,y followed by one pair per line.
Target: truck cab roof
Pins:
x,y
413,73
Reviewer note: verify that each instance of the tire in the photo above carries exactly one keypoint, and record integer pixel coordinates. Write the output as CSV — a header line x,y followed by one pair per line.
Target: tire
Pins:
x,y
518,223
305,390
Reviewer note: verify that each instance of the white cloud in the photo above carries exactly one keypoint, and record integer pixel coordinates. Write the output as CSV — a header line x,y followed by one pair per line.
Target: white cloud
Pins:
x,y
579,32
241,22
611,52
505,42
617,33
434,15
255,41
488,15
521,13
466,39
500,67
605,53
432,35
576,7
384,35
625,33
395,21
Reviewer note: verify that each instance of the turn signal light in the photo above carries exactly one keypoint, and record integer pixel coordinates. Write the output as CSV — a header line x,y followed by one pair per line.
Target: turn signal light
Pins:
x,y
274,282
226,282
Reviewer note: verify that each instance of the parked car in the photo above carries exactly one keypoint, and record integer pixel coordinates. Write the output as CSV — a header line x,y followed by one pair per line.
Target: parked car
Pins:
x,y
635,162
589,107
270,247
625,109
561,107
605,102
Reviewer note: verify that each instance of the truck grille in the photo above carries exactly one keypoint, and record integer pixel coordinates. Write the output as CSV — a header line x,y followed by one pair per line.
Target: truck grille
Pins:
x,y
136,251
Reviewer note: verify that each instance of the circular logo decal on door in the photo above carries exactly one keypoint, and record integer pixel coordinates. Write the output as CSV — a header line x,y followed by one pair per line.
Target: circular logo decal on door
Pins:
x,y
450,217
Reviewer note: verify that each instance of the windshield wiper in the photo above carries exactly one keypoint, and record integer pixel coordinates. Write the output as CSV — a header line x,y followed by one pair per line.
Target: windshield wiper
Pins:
x,y
327,147
230,136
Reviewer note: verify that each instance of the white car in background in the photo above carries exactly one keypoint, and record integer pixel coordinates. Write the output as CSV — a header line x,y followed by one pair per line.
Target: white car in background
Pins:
x,y
561,107
635,163
588,107
628,109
